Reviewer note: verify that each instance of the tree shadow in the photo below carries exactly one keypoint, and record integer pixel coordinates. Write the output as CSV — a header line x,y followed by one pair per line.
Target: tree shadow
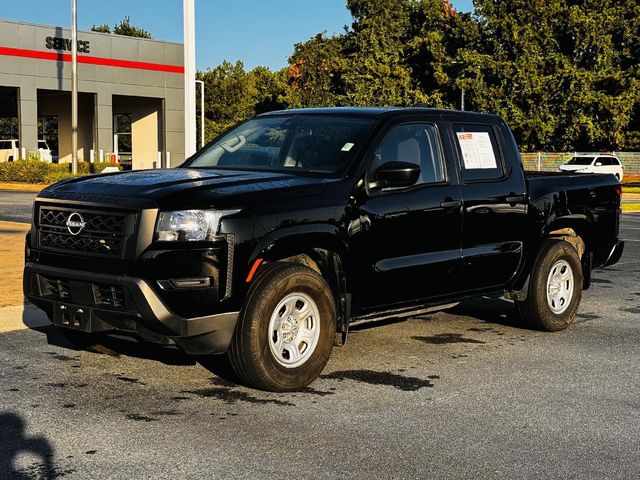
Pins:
x,y
13,443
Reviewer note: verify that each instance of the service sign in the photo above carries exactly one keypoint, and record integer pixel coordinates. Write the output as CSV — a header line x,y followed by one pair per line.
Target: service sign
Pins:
x,y
64,44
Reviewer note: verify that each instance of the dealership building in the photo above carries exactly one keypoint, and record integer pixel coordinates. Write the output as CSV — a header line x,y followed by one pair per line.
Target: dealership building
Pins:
x,y
130,102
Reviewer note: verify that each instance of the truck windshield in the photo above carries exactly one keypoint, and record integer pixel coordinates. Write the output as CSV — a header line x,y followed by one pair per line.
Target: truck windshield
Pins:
x,y
581,161
305,143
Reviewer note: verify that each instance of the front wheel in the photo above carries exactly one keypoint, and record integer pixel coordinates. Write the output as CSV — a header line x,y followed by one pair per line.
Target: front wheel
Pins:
x,y
555,288
285,330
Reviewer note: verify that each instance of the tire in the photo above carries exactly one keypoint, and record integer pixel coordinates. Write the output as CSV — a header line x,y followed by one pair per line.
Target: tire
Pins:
x,y
273,355
618,176
555,288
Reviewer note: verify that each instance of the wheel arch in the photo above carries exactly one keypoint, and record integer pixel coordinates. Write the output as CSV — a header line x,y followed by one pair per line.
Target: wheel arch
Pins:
x,y
575,227
320,249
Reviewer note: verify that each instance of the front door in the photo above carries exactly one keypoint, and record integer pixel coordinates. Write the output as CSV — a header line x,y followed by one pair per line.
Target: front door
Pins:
x,y
406,241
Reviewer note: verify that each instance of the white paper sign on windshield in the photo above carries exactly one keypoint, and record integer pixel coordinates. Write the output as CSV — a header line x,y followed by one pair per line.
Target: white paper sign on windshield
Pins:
x,y
477,150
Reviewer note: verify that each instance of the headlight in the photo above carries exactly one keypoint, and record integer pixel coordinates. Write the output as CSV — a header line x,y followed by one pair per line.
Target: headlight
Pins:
x,y
189,225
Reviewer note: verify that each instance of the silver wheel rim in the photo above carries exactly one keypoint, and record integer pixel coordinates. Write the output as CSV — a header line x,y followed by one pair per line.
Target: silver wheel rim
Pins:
x,y
294,330
560,287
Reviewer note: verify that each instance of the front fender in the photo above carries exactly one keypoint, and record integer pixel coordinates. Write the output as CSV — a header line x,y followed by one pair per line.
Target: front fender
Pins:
x,y
289,241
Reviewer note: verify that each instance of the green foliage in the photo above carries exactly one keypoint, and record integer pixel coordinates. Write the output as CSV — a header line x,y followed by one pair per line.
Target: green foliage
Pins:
x,y
127,29
36,171
565,74
123,28
232,95
104,28
316,72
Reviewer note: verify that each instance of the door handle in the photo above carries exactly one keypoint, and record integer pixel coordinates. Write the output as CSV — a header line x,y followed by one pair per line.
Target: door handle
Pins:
x,y
516,198
451,204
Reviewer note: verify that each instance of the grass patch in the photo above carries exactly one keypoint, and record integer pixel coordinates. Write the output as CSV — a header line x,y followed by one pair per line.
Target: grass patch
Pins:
x,y
631,207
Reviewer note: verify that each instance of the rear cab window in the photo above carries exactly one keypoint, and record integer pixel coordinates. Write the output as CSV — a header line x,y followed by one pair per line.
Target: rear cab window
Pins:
x,y
479,153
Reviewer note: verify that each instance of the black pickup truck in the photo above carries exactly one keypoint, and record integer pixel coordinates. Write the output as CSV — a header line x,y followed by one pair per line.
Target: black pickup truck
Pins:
x,y
272,239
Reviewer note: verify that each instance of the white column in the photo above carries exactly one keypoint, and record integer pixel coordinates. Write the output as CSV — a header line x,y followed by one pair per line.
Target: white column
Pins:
x,y
74,88
189,77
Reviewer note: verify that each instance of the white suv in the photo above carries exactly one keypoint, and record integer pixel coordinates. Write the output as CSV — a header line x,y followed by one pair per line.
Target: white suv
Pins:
x,y
594,164
45,151
9,150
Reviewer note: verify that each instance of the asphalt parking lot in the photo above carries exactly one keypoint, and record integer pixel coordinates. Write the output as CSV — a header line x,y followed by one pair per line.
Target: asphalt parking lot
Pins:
x,y
16,206
467,393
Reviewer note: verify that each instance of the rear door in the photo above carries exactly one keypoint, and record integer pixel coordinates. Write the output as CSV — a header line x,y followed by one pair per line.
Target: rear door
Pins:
x,y
495,204
407,240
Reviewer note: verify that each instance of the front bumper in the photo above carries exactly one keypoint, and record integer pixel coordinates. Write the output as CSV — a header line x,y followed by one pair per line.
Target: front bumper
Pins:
x,y
93,302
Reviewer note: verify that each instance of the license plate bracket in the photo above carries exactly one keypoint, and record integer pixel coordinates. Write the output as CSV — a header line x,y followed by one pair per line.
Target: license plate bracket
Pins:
x,y
72,316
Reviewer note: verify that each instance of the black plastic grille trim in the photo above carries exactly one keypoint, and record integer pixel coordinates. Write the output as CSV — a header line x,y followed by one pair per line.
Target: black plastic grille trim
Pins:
x,y
108,295
103,234
57,288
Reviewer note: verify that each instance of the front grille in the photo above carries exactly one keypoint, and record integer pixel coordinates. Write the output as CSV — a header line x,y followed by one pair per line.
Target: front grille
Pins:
x,y
108,295
89,232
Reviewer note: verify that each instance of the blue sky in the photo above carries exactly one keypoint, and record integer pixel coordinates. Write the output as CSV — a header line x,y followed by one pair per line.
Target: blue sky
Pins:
x,y
258,32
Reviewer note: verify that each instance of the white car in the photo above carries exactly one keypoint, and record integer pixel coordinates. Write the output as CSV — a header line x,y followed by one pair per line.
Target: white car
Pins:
x,y
594,164
9,150
45,151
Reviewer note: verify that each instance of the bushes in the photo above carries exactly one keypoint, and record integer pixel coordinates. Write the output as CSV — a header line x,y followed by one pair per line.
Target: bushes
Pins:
x,y
35,171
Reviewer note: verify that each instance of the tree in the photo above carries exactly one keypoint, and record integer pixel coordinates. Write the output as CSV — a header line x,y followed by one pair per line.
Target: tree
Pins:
x,y
104,28
562,72
127,29
437,33
316,72
378,73
123,28
233,95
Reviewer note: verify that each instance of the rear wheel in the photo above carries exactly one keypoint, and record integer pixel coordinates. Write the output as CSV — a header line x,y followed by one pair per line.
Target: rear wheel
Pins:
x,y
618,176
555,288
286,328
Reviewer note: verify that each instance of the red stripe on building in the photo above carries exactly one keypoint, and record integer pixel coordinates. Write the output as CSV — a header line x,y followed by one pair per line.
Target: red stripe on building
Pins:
x,y
105,62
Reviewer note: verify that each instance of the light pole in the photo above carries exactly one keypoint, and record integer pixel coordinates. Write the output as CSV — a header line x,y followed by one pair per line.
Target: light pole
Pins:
x,y
189,77
201,83
462,100
74,88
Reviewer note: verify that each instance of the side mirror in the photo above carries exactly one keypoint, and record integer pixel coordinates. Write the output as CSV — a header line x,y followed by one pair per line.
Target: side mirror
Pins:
x,y
395,175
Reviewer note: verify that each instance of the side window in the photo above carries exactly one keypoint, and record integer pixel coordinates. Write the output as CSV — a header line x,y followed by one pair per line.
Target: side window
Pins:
x,y
415,143
478,148
3,145
603,161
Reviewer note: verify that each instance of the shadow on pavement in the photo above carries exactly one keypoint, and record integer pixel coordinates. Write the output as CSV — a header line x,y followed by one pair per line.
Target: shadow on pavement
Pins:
x,y
115,346
490,310
13,443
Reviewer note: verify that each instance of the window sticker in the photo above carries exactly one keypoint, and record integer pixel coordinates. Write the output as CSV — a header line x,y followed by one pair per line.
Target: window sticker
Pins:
x,y
347,147
477,150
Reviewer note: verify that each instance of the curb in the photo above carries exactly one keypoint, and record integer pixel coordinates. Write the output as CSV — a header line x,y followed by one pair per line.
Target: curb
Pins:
x,y
22,317
22,187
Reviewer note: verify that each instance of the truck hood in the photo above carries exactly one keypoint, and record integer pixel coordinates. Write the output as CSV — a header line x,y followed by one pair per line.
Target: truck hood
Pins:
x,y
187,186
573,168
